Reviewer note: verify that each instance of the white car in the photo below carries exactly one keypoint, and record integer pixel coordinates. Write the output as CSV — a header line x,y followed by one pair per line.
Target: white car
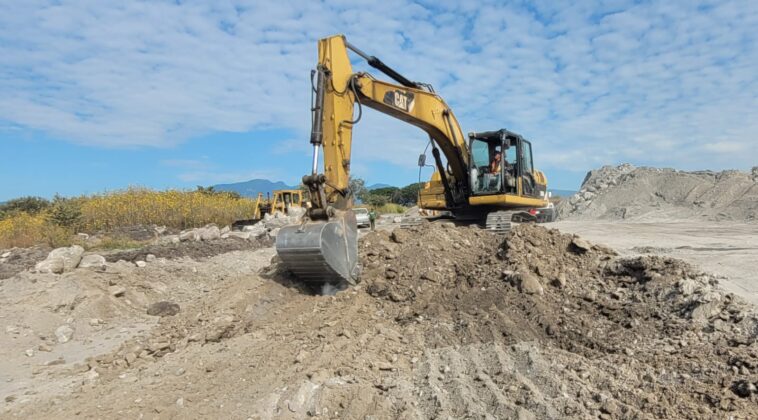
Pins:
x,y
361,216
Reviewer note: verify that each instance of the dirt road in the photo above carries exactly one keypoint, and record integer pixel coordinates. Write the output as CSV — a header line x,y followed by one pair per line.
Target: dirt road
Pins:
x,y
724,248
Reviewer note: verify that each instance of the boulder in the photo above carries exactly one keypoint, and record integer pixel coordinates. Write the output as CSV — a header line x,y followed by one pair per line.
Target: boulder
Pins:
x,y
209,233
92,261
189,235
529,284
60,260
240,235
581,244
255,230
277,220
168,239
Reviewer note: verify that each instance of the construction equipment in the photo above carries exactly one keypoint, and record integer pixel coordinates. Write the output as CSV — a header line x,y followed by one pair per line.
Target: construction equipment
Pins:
x,y
470,184
283,201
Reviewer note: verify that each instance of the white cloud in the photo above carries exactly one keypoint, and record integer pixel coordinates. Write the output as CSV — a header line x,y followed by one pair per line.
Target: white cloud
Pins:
x,y
598,82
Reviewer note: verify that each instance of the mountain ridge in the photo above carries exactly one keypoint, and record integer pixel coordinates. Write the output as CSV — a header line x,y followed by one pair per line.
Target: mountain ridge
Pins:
x,y
252,187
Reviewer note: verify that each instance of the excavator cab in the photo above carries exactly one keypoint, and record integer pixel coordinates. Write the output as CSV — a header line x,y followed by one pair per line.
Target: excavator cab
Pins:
x,y
501,163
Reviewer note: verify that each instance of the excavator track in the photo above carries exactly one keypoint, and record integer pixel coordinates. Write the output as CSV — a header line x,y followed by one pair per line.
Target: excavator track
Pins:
x,y
500,222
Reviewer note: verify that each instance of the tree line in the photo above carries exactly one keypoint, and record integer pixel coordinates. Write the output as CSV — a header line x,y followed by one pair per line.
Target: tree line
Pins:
x,y
405,196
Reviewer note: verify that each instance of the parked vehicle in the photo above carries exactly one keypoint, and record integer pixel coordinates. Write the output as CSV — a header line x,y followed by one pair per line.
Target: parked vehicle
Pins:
x,y
361,216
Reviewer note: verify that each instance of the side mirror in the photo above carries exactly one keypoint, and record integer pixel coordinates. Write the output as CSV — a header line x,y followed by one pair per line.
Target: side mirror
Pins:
x,y
422,160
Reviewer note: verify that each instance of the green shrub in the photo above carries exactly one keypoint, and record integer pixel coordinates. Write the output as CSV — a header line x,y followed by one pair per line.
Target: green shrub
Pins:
x,y
30,205
65,212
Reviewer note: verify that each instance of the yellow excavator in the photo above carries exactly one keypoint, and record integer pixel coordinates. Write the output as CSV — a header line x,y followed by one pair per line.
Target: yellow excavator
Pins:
x,y
487,177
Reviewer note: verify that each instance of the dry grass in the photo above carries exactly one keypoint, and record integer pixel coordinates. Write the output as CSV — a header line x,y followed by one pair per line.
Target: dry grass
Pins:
x,y
23,230
57,225
172,208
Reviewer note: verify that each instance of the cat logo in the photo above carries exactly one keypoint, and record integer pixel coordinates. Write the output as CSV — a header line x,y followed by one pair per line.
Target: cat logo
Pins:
x,y
400,99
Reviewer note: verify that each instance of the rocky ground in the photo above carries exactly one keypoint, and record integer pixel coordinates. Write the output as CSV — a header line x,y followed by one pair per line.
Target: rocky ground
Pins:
x,y
626,192
448,322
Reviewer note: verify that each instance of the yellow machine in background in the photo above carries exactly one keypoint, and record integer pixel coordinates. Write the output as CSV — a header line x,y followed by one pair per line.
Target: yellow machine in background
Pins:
x,y
285,199
486,177
282,202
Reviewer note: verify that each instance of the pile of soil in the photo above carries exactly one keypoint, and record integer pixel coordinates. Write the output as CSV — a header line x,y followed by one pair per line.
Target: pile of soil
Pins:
x,y
548,323
626,192
448,322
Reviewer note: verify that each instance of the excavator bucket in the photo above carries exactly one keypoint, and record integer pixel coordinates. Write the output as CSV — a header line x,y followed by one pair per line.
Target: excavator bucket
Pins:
x,y
321,251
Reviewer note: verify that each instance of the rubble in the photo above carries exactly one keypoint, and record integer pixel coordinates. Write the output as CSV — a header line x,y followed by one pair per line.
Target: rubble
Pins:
x,y
626,192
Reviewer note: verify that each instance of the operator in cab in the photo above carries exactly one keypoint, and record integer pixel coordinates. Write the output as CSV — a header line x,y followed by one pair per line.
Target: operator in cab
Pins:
x,y
495,163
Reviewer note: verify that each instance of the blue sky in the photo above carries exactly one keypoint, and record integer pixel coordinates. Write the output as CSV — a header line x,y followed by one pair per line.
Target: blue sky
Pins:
x,y
97,96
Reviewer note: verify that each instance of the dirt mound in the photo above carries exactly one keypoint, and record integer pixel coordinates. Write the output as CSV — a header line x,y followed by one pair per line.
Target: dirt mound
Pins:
x,y
630,193
596,334
449,322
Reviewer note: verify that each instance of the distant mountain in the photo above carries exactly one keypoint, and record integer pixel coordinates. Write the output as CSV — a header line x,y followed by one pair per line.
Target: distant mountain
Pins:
x,y
562,193
253,187
377,186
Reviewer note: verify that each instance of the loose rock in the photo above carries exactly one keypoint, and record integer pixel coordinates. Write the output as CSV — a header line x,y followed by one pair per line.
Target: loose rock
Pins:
x,y
163,308
64,333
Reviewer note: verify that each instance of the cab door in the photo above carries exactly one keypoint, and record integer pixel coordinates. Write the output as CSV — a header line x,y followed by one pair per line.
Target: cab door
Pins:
x,y
526,169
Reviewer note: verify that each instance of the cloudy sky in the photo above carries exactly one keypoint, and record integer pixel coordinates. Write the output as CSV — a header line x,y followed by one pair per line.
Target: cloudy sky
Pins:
x,y
101,95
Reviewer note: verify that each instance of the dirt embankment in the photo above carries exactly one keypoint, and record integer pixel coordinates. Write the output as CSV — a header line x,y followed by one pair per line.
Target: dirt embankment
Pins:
x,y
448,323
626,192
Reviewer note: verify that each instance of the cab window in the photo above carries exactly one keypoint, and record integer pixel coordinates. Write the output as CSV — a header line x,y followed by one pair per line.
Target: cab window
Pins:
x,y
480,151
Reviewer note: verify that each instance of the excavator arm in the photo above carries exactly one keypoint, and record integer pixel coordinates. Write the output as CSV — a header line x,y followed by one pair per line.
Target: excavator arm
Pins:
x,y
337,92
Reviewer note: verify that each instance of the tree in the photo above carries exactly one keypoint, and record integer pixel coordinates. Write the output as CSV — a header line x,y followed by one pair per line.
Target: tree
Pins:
x,y
409,194
376,200
358,187
66,212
